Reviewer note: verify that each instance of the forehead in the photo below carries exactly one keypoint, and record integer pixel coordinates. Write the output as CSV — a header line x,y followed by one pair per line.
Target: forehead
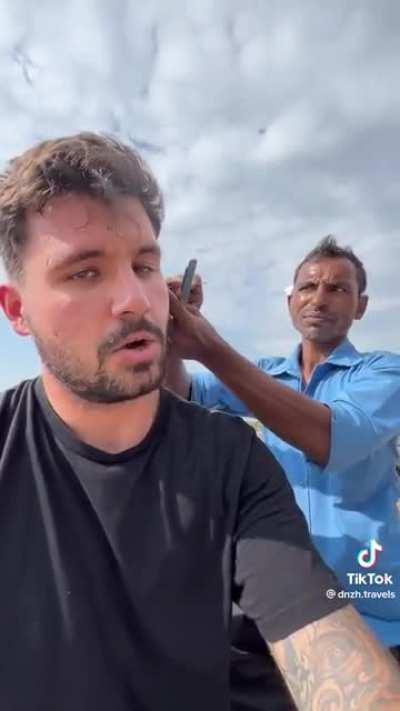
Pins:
x,y
72,221
328,269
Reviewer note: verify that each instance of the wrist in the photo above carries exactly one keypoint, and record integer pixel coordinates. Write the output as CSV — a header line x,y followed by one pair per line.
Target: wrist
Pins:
x,y
211,350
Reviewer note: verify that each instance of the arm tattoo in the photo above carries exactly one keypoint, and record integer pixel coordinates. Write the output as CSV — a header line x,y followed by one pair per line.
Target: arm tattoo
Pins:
x,y
335,664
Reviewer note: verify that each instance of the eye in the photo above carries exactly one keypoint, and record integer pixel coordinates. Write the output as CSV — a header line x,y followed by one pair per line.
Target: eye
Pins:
x,y
85,275
144,269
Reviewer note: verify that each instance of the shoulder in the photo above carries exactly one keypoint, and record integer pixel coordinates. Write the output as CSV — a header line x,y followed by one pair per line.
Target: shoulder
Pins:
x,y
12,399
270,364
13,410
379,361
200,421
222,451
228,438
216,440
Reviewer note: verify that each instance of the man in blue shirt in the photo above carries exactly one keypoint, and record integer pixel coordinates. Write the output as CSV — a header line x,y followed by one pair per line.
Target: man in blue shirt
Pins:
x,y
331,416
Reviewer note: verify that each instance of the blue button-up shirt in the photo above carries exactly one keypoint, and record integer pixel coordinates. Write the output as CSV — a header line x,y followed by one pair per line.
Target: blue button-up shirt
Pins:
x,y
355,499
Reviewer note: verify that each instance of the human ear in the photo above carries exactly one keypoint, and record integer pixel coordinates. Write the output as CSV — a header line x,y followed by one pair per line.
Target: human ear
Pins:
x,y
362,306
11,303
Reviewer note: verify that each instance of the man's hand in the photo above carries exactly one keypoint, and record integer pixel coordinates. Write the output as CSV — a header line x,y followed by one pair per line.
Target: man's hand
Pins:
x,y
191,336
196,292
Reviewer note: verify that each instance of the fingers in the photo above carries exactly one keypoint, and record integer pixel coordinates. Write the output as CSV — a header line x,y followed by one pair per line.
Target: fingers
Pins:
x,y
174,283
196,292
176,280
179,311
175,306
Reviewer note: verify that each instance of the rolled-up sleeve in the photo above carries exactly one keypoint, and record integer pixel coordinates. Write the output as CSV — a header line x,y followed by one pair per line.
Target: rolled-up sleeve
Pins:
x,y
209,392
365,415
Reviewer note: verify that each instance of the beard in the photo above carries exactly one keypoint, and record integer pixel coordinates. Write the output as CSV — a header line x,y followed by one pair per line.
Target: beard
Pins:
x,y
100,386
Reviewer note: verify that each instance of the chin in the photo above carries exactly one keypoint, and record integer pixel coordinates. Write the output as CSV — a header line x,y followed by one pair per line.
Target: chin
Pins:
x,y
143,379
323,338
111,387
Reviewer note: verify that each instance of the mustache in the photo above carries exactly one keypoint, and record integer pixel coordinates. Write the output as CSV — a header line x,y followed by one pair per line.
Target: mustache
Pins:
x,y
129,328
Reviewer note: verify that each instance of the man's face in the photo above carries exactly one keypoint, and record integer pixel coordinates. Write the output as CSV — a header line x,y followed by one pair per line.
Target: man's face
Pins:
x,y
91,283
325,300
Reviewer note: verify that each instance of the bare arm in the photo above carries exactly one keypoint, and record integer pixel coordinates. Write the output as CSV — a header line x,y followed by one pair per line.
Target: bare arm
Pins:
x,y
295,418
335,664
177,378
292,416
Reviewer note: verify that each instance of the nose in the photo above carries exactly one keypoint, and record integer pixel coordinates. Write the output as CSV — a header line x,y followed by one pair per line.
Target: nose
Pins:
x,y
129,295
319,296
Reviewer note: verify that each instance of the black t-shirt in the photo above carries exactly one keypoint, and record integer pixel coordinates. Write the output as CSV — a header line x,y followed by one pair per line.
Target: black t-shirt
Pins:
x,y
118,570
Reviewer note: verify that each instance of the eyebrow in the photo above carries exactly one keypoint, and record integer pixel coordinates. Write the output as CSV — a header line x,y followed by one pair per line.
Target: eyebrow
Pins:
x,y
334,282
85,254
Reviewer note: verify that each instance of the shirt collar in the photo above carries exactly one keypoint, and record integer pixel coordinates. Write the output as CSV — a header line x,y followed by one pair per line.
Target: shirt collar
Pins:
x,y
345,355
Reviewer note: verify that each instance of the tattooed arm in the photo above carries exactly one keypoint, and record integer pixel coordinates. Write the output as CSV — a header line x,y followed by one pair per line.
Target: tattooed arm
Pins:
x,y
335,664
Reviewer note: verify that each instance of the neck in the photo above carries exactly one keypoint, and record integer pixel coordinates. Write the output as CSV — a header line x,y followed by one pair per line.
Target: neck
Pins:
x,y
312,354
112,427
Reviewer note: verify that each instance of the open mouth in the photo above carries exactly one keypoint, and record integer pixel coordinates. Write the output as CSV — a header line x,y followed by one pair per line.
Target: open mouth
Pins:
x,y
137,342
137,345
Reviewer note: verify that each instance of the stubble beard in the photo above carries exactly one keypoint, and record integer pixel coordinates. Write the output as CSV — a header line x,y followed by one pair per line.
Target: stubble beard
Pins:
x,y
101,386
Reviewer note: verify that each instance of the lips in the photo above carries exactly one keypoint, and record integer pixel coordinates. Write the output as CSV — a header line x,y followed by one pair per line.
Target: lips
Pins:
x,y
317,321
316,317
136,341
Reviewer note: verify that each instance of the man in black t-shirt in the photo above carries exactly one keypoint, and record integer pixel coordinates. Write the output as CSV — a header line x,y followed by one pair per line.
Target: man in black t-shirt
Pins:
x,y
130,520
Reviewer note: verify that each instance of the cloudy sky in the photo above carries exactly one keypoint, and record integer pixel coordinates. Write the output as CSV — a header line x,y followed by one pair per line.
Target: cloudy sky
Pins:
x,y
268,123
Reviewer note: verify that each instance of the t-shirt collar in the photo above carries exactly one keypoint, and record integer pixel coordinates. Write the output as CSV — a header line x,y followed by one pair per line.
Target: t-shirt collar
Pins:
x,y
345,355
61,430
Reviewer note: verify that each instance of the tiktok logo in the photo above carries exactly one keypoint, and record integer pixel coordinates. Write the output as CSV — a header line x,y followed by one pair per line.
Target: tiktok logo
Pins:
x,y
367,556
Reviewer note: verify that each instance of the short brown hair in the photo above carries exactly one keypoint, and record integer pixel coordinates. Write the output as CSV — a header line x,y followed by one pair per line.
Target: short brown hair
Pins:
x,y
88,163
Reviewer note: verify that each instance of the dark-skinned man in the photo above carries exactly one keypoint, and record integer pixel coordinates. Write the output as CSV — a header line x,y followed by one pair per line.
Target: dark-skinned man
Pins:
x,y
330,415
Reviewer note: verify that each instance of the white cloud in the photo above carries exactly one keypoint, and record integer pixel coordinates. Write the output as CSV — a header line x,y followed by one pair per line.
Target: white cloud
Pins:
x,y
268,127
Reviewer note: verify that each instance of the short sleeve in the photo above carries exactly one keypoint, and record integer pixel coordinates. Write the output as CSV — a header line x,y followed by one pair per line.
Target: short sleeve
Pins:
x,y
209,392
365,415
280,581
